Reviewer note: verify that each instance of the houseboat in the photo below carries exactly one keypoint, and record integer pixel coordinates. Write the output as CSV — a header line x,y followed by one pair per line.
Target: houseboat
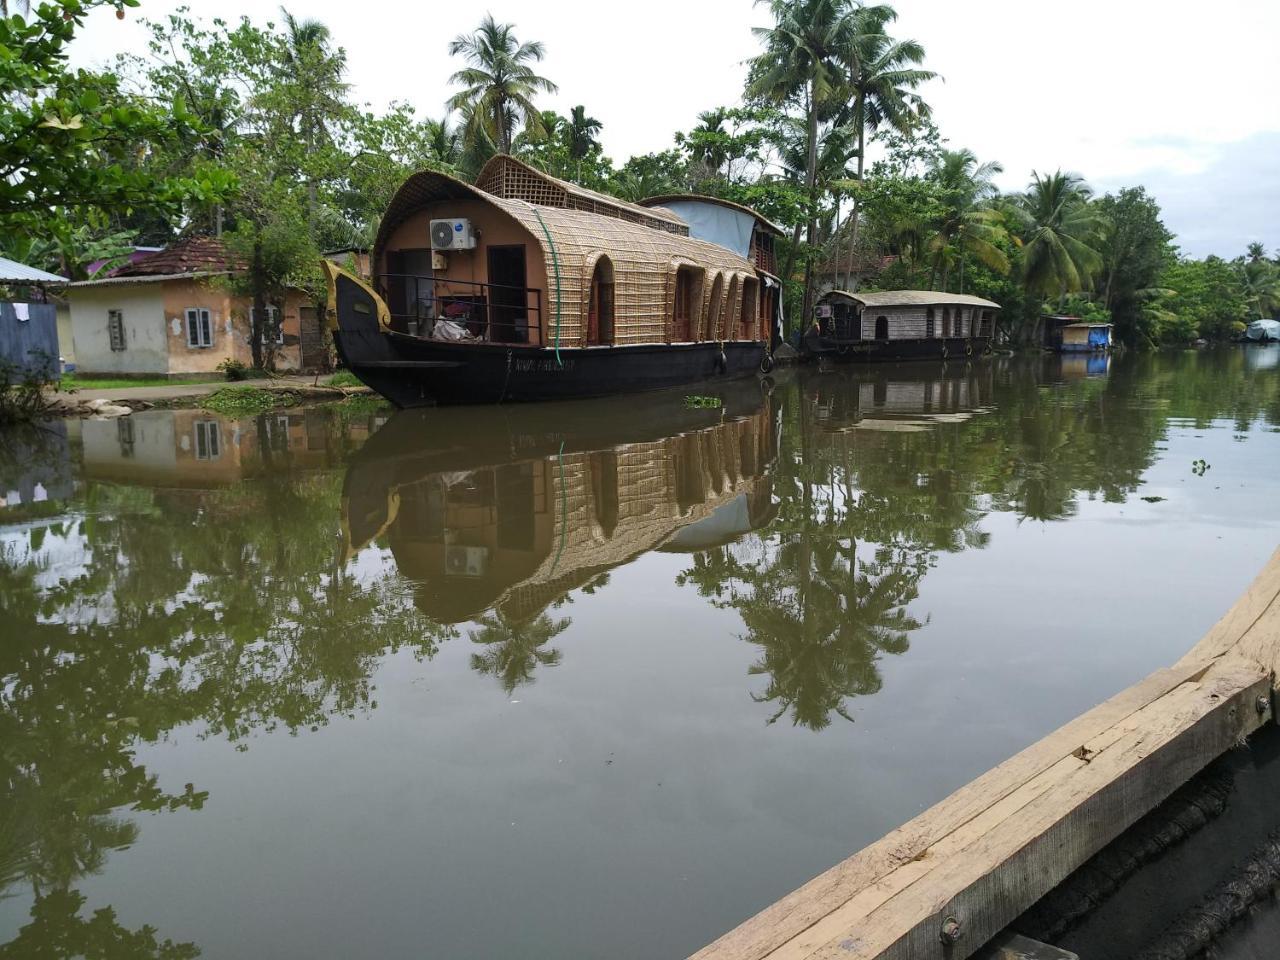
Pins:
x,y
1069,334
526,287
900,325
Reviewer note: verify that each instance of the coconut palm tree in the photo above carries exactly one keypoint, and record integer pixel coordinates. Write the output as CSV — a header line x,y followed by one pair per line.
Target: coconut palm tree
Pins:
x,y
581,132
498,85
968,226
443,141
1260,282
514,648
314,75
801,63
882,76
1060,232
1257,252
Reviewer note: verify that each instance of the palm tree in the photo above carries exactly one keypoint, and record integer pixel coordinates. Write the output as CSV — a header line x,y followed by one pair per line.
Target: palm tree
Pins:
x,y
1257,252
882,78
581,133
314,71
515,648
801,63
499,84
968,225
443,141
1061,229
1260,282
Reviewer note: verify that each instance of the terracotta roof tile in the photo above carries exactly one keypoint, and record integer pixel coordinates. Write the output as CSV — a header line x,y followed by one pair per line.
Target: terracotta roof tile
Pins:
x,y
191,255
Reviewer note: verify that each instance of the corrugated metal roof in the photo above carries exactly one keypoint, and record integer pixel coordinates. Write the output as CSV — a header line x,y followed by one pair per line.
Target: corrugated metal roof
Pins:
x,y
912,298
149,278
13,272
659,203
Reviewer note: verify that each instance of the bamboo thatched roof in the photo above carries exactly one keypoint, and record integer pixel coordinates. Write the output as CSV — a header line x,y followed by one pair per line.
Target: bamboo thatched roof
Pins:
x,y
910,298
505,176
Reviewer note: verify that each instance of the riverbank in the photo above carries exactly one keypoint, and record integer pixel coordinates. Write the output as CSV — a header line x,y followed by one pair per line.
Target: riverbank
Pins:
x,y
261,393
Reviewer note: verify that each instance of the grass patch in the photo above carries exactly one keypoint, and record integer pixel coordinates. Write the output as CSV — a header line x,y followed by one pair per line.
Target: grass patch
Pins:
x,y
71,381
361,405
343,378
708,402
246,401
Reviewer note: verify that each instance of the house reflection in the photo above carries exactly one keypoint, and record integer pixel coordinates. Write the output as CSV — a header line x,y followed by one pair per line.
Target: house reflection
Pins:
x,y
516,534
199,449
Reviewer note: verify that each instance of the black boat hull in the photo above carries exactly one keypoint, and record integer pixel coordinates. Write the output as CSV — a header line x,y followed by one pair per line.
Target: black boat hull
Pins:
x,y
929,348
415,372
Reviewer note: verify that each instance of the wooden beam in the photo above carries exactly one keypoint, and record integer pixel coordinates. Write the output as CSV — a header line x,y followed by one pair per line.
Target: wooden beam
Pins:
x,y
994,847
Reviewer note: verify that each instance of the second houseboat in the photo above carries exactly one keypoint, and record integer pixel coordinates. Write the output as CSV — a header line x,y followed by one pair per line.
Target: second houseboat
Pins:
x,y
901,325
525,287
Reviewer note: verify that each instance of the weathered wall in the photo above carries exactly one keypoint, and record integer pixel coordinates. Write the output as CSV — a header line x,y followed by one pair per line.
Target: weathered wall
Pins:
x,y
146,344
32,342
66,342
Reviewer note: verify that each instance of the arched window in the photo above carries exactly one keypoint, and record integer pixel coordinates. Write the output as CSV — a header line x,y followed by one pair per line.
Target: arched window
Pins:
x,y
600,304
687,304
715,306
882,328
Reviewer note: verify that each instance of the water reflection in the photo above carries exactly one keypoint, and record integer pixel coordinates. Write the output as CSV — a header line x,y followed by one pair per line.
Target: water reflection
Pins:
x,y
192,576
501,535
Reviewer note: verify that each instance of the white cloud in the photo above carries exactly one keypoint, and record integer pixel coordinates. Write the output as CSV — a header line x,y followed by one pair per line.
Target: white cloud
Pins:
x,y
1116,90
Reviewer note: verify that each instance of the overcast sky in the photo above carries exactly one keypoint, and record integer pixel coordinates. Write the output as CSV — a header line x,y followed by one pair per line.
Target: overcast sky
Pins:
x,y
1179,97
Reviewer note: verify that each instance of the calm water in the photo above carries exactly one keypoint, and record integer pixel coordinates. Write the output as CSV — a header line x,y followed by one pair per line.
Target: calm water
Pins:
x,y
599,679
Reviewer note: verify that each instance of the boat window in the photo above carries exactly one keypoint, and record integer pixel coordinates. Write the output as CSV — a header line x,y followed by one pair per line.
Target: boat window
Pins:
x,y
928,322
882,328
682,326
715,306
600,306
747,319
946,321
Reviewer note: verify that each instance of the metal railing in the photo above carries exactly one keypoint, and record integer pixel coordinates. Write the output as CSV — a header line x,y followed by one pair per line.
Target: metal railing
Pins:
x,y
487,312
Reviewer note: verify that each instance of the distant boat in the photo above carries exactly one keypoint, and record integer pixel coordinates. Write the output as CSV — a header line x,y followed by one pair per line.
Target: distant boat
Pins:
x,y
1262,331
900,325
526,287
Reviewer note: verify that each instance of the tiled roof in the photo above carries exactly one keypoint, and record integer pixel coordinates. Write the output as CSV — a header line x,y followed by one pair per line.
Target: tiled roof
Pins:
x,y
191,255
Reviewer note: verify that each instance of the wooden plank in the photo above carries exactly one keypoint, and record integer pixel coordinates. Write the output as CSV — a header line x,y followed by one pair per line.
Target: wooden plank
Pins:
x,y
987,876
1174,715
1243,616
800,909
1014,946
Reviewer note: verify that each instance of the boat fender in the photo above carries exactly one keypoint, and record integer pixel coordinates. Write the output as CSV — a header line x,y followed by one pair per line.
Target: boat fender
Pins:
x,y
766,363
968,349
722,362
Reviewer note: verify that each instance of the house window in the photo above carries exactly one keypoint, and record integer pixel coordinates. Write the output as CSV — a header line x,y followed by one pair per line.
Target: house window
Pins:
x,y
199,327
124,433
208,440
928,323
277,432
115,329
272,328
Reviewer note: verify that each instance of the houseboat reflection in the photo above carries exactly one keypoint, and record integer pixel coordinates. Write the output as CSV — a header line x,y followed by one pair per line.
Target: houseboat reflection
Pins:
x,y
513,518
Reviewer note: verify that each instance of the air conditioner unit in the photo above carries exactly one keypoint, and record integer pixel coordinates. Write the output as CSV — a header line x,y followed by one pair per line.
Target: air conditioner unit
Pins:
x,y
452,235
466,561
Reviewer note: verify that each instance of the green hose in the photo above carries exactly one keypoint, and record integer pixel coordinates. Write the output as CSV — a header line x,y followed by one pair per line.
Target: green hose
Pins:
x,y
555,263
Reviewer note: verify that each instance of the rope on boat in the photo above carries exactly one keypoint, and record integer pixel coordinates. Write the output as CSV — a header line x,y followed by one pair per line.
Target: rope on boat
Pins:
x,y
555,264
